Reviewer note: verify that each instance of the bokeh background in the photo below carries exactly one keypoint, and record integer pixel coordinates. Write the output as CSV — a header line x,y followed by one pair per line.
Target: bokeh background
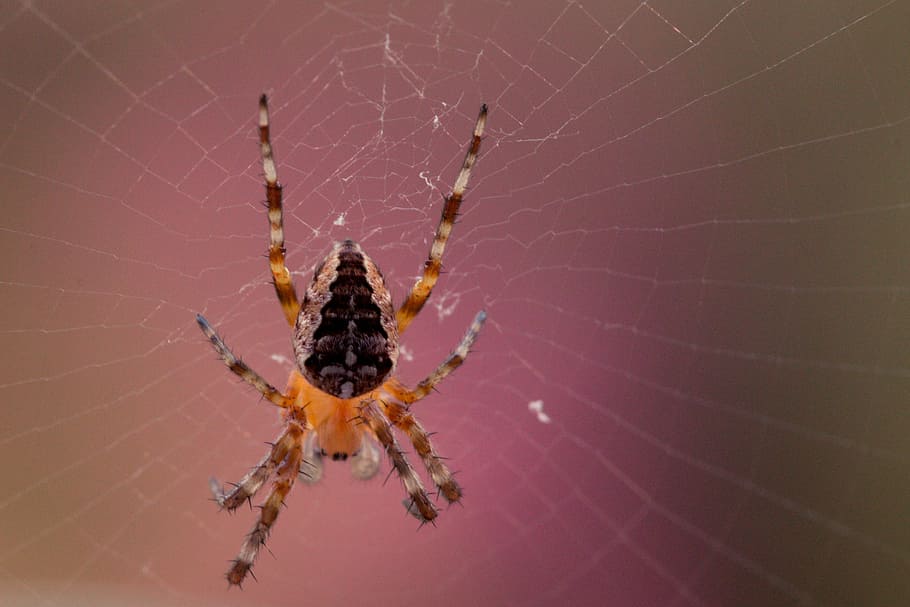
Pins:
x,y
688,226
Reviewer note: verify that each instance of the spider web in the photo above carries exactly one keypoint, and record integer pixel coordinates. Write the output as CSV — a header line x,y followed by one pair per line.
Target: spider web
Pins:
x,y
687,225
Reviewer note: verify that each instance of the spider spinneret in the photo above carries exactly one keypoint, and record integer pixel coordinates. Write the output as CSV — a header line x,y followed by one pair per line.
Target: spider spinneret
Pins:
x,y
343,398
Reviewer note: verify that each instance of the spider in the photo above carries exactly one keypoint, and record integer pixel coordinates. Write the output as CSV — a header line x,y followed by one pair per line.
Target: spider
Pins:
x,y
342,397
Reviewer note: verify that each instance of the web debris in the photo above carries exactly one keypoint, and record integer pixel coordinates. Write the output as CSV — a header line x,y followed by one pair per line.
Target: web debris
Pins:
x,y
536,406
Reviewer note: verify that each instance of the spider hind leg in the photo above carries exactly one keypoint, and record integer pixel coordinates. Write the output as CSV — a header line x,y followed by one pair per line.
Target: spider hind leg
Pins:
x,y
281,276
421,290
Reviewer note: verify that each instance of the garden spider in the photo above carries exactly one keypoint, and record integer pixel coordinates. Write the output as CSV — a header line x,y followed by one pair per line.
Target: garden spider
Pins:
x,y
342,396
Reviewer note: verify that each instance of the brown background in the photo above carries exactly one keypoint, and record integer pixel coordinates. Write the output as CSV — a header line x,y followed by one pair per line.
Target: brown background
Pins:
x,y
688,226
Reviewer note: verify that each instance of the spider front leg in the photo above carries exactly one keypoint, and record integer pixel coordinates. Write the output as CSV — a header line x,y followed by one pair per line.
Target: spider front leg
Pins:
x,y
284,286
268,511
420,505
421,290
250,484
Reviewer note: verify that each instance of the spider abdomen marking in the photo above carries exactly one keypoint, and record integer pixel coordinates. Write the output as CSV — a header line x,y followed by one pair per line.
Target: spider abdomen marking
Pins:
x,y
346,336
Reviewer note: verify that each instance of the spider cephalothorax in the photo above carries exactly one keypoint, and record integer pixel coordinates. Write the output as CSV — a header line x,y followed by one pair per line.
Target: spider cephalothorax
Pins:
x,y
342,398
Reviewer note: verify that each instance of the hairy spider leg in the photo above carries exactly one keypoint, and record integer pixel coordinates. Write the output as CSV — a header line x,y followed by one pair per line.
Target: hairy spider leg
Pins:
x,y
250,484
281,276
241,369
407,395
402,419
268,511
375,419
421,290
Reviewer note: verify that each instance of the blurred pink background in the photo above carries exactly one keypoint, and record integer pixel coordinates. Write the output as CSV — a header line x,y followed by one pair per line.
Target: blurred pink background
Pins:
x,y
688,226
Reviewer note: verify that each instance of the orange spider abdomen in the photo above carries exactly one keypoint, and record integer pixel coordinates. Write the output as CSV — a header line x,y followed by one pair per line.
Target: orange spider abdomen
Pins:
x,y
346,336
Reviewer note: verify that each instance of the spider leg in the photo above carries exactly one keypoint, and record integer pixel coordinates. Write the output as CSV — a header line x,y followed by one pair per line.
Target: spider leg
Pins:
x,y
284,286
406,395
421,290
399,415
442,477
268,511
250,484
241,369
423,509
311,462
